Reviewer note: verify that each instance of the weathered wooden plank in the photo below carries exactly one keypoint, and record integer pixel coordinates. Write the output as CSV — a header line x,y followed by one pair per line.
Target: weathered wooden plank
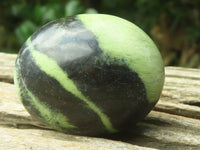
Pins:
x,y
157,130
178,109
7,62
167,131
174,123
181,93
182,85
51,140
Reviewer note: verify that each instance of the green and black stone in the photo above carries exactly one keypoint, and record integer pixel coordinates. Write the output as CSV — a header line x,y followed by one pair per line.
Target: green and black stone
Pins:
x,y
89,74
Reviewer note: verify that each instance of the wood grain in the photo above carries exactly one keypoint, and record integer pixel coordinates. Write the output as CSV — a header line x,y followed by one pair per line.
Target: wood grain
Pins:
x,y
173,124
7,62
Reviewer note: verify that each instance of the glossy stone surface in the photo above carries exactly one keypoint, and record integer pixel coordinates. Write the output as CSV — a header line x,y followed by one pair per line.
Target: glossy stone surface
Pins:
x,y
70,77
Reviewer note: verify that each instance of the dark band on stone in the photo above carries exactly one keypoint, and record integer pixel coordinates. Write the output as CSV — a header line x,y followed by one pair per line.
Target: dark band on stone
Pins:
x,y
116,89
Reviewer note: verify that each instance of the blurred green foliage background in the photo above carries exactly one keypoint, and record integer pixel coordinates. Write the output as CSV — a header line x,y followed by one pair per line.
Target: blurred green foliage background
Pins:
x,y
173,25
